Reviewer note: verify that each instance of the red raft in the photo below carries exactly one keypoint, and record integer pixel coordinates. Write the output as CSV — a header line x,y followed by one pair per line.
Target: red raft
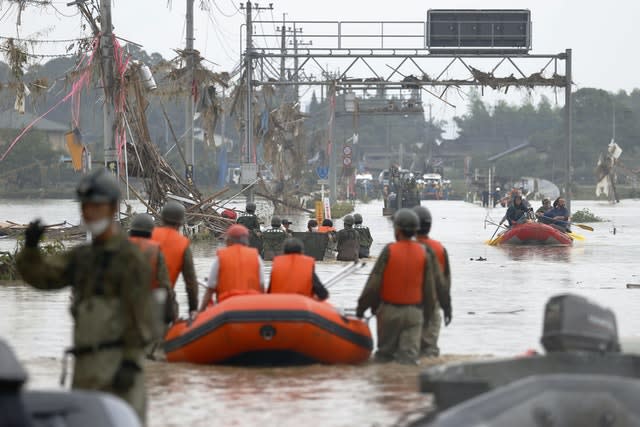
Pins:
x,y
534,233
270,329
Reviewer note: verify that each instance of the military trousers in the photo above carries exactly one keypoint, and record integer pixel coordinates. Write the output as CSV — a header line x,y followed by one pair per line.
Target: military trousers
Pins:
x,y
431,333
399,332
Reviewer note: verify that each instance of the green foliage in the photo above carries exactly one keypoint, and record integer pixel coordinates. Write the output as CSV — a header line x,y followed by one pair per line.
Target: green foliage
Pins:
x,y
8,269
340,209
585,215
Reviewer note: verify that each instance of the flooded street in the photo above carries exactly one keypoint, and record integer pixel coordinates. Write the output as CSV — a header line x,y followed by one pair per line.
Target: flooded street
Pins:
x,y
497,310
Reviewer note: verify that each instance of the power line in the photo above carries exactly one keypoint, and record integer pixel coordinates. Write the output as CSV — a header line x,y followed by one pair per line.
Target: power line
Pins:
x,y
223,13
22,40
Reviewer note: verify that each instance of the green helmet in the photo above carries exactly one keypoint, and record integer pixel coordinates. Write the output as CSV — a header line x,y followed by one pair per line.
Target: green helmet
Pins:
x,y
348,220
173,213
357,218
424,216
99,186
251,207
406,220
276,222
142,223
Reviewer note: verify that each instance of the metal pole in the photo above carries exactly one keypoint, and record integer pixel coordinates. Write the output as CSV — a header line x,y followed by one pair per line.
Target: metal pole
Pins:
x,y
106,51
249,95
333,188
296,92
283,50
568,123
190,146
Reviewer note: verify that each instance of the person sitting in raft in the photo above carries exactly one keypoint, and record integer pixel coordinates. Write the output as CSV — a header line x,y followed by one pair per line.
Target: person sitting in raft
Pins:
x,y
546,206
237,269
517,212
558,217
294,273
312,226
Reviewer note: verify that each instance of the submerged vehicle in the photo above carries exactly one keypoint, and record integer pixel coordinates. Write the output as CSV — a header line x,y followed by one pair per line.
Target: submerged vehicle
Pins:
x,y
270,329
20,407
582,380
533,233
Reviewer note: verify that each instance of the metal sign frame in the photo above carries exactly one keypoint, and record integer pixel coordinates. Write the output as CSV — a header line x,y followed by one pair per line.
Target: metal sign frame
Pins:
x,y
336,43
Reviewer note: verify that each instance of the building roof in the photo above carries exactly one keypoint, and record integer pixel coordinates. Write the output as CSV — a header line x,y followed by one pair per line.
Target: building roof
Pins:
x,y
11,119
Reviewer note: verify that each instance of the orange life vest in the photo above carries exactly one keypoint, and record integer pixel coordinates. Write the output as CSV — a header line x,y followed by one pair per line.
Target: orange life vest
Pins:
x,y
238,271
151,250
437,249
325,229
292,274
403,277
172,244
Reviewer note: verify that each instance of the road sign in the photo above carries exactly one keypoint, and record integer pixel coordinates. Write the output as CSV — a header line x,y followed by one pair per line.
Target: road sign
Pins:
x,y
323,182
319,211
346,161
347,150
322,172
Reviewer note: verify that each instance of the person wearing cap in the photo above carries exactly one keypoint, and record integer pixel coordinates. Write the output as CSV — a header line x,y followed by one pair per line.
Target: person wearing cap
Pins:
x,y
437,256
364,234
177,251
237,269
111,300
285,225
546,207
140,235
400,289
250,220
348,241
294,273
273,239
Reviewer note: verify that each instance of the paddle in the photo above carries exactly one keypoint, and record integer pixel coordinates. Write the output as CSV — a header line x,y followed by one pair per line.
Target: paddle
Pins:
x,y
576,236
583,226
343,273
491,241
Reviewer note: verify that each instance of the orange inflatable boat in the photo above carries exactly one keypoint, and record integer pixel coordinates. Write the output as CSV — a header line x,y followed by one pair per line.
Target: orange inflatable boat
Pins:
x,y
268,329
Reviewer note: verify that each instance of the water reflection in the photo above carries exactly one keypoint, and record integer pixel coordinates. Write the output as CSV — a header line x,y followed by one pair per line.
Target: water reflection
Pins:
x,y
545,253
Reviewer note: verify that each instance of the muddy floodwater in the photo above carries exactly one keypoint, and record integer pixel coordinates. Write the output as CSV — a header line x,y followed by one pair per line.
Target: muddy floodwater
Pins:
x,y
497,304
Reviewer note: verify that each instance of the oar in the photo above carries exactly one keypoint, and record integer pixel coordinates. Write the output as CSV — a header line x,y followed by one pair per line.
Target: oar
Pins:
x,y
583,226
492,241
355,267
341,274
576,236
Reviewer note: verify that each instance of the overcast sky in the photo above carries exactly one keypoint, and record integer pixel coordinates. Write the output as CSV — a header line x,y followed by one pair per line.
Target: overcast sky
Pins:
x,y
603,35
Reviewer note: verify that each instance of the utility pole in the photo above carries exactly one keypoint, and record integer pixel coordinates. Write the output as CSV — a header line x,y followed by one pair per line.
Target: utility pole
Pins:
x,y
283,51
568,126
296,92
249,158
106,56
333,181
190,146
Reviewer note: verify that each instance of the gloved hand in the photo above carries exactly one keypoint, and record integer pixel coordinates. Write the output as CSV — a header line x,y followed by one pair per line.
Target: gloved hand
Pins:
x,y
448,316
125,375
33,233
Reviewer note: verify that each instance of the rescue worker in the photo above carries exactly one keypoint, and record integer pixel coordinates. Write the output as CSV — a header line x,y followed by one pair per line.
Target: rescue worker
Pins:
x,y
546,206
236,270
517,212
294,273
250,220
348,241
111,299
312,226
285,224
439,256
400,289
365,236
558,217
328,229
177,251
327,226
140,235
273,239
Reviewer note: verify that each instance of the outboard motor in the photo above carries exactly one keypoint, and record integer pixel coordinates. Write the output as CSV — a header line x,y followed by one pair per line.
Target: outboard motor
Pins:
x,y
580,338
26,408
573,323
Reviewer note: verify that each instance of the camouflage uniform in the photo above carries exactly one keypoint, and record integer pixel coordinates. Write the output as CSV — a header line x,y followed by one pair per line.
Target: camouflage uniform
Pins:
x,y
273,242
348,244
433,323
365,240
251,222
111,306
399,327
